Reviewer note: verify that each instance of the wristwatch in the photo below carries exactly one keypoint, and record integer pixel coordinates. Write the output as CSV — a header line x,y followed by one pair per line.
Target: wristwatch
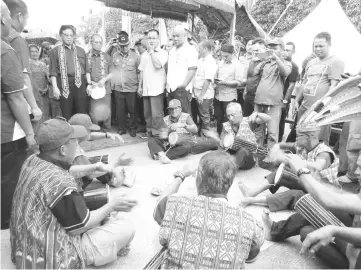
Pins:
x,y
285,101
303,171
180,175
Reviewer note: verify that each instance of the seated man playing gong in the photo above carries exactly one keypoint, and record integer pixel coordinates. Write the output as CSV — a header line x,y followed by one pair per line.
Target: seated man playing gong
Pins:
x,y
180,128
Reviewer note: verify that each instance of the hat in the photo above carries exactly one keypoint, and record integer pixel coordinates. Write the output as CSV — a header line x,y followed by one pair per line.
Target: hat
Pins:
x,y
123,38
229,48
276,41
83,120
98,92
174,103
56,132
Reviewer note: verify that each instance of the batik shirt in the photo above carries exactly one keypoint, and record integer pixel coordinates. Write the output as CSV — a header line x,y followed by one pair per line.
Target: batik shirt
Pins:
x,y
46,207
206,232
182,120
244,131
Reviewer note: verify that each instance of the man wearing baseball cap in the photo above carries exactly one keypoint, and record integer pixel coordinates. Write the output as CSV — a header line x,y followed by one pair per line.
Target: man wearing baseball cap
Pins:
x,y
182,126
50,215
125,84
269,93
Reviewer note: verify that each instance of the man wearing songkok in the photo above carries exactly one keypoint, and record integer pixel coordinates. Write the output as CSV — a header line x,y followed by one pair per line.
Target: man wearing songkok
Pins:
x,y
51,226
241,127
269,93
67,72
181,124
338,246
228,77
203,89
204,230
98,74
322,73
182,65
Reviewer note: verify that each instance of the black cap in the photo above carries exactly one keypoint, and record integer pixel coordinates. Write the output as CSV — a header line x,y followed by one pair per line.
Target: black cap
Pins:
x,y
123,38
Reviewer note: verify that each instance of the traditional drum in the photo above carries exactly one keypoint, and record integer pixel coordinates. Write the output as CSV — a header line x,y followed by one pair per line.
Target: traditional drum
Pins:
x,y
102,158
95,196
157,261
315,214
282,176
236,143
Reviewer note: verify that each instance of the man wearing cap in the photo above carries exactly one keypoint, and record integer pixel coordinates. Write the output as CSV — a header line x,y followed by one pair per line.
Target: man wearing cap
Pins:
x,y
50,215
321,74
16,130
67,72
153,81
182,125
269,93
98,75
125,83
182,66
228,77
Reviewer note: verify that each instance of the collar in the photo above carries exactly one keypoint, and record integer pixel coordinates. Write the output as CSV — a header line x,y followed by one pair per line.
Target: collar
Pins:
x,y
70,47
214,195
95,53
124,55
58,163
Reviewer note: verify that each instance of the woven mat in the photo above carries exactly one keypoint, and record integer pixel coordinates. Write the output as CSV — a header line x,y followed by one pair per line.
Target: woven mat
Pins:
x,y
109,143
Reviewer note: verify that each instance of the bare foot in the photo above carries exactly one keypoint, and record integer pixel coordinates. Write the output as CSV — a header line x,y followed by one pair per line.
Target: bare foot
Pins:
x,y
267,222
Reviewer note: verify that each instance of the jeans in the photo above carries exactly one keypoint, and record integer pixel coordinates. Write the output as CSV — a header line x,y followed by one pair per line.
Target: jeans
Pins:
x,y
100,112
284,114
220,112
273,125
77,99
203,111
193,145
184,97
153,112
126,101
101,244
13,155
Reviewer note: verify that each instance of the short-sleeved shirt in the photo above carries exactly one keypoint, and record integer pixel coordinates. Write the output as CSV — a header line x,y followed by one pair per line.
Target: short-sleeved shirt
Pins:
x,y
228,72
271,85
21,47
12,80
154,80
353,252
292,78
96,62
180,61
54,69
245,60
198,230
318,76
125,72
206,70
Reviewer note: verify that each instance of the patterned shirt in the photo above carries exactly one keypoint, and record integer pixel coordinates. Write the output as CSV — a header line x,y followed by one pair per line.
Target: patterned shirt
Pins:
x,y
182,120
99,64
204,232
46,207
244,131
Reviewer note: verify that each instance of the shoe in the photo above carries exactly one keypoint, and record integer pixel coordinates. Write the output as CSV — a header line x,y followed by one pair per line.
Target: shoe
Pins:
x,y
133,133
122,132
164,159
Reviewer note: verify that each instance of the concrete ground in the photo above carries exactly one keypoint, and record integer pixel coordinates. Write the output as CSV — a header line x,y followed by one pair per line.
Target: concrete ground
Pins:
x,y
150,173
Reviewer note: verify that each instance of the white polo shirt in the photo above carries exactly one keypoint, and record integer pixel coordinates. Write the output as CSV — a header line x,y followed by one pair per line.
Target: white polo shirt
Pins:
x,y
180,61
154,80
206,70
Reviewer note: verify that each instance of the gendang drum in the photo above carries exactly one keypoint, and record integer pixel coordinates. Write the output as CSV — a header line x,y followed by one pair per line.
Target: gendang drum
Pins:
x,y
95,197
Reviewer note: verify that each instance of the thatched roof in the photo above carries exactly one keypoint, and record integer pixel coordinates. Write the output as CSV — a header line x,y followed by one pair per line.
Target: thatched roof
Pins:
x,y
266,13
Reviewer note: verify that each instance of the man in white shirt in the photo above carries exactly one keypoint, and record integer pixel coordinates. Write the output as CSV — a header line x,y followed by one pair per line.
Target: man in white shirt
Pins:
x,y
203,82
152,81
182,65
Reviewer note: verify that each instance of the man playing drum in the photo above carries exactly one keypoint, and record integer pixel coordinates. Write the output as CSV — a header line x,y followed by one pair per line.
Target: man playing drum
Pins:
x,y
178,125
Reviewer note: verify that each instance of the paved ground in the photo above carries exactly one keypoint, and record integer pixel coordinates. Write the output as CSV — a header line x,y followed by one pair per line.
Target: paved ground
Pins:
x,y
151,173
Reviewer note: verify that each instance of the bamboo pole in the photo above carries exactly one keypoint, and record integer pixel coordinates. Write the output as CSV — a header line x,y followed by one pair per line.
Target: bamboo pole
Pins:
x,y
233,29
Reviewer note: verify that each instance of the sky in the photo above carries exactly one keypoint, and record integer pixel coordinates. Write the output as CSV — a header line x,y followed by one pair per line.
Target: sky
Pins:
x,y
51,14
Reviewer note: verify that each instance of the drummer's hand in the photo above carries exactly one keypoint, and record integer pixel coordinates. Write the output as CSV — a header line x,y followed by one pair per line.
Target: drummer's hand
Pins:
x,y
89,89
115,136
121,161
253,117
189,169
174,126
101,83
317,239
296,162
102,167
211,134
120,203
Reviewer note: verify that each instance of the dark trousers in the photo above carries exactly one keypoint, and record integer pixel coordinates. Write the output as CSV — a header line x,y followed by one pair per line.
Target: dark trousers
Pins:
x,y
284,114
203,111
13,155
184,97
141,114
243,158
153,112
248,104
220,112
194,145
126,101
77,99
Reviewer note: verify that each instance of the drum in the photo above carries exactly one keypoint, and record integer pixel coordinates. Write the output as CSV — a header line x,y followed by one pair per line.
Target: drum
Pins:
x,y
157,261
96,196
239,143
315,214
175,138
102,158
98,92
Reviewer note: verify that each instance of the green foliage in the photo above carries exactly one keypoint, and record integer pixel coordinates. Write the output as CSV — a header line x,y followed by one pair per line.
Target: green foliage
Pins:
x,y
266,13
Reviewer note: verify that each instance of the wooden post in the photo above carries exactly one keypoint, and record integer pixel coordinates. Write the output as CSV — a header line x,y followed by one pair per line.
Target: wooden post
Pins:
x,y
233,29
